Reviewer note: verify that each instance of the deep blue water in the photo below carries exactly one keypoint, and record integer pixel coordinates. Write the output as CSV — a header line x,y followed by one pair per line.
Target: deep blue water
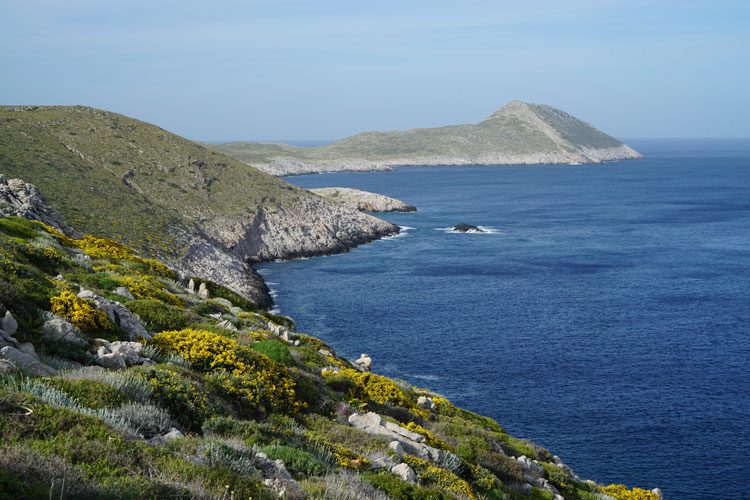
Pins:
x,y
608,319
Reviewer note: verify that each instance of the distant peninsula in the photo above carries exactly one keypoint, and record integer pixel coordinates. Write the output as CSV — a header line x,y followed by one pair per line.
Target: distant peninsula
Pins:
x,y
518,133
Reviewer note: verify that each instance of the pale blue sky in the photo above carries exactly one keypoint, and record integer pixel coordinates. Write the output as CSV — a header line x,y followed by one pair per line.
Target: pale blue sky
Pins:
x,y
325,69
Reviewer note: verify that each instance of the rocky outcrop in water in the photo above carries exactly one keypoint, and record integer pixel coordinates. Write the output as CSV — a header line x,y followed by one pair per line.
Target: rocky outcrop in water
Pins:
x,y
364,201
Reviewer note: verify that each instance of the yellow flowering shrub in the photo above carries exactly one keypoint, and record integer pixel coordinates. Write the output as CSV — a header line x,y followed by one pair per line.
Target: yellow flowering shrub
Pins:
x,y
80,312
102,248
184,398
621,492
252,380
147,287
428,436
375,388
441,478
344,456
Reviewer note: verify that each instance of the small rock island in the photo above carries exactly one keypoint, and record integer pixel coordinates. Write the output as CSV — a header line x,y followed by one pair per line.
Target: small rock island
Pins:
x,y
467,228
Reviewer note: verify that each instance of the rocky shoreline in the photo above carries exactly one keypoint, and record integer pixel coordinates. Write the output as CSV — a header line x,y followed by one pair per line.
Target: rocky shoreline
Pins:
x,y
287,167
363,201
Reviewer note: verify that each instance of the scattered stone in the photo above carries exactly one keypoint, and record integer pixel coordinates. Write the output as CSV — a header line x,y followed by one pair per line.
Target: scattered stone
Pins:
x,y
118,314
657,492
277,477
119,355
425,402
227,325
7,366
9,324
364,363
397,448
26,361
404,472
58,329
325,352
235,311
123,291
411,442
166,438
111,361
191,286
531,467
203,291
527,488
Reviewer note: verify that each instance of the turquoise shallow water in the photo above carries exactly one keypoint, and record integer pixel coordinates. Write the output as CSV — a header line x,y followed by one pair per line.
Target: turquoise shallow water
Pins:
x,y
607,317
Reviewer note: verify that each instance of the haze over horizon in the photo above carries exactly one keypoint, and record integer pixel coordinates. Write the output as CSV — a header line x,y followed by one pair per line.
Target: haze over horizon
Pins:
x,y
297,70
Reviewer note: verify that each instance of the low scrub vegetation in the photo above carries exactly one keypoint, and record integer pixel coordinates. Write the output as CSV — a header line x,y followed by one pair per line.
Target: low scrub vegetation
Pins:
x,y
210,410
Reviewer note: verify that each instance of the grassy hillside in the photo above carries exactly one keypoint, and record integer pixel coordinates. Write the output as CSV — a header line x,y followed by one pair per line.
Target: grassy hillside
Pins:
x,y
118,177
219,400
516,133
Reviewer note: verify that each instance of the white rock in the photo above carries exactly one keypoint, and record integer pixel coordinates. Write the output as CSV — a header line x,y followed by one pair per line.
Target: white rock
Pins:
x,y
203,291
118,314
111,361
412,443
425,402
57,329
123,291
191,286
405,472
166,438
7,366
27,362
227,325
397,448
9,324
364,363
657,492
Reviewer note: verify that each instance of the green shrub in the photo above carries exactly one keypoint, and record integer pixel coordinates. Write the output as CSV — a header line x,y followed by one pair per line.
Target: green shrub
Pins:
x,y
88,393
274,349
158,316
185,399
307,390
20,227
297,461
396,488
206,308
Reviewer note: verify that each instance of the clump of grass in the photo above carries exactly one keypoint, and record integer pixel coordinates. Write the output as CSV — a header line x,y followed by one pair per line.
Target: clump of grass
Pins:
x,y
126,382
148,420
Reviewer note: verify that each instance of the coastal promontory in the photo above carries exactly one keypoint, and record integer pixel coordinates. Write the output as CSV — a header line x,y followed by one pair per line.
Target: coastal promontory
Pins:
x,y
517,133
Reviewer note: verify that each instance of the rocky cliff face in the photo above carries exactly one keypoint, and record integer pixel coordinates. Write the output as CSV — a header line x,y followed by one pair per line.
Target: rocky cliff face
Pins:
x,y
364,201
517,133
18,198
303,227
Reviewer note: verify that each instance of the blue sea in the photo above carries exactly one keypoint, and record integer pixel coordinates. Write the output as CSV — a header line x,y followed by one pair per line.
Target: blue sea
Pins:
x,y
605,315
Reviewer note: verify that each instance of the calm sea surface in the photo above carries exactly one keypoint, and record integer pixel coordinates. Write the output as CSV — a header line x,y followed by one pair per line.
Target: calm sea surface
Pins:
x,y
606,316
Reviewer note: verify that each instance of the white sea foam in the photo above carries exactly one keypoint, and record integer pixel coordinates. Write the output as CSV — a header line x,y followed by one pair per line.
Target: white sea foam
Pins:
x,y
404,231
483,230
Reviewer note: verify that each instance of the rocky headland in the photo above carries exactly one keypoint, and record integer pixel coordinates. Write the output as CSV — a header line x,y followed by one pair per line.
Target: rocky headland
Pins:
x,y
518,133
201,212
363,201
